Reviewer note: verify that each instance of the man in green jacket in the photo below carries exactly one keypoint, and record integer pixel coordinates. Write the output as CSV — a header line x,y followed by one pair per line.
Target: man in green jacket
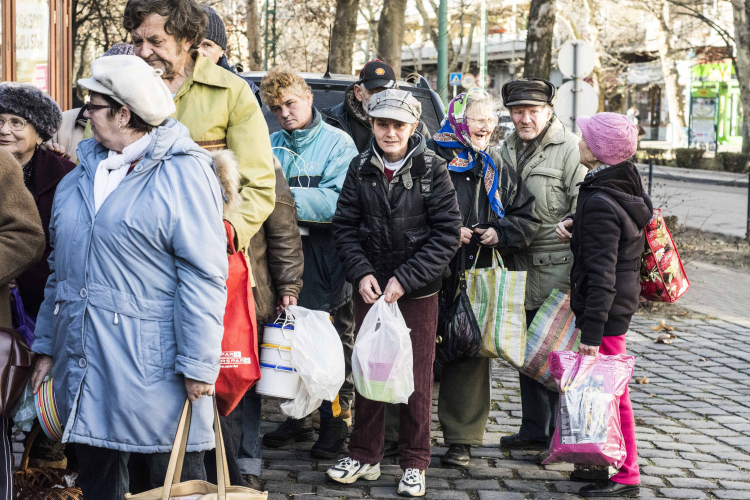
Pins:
x,y
217,106
221,112
545,155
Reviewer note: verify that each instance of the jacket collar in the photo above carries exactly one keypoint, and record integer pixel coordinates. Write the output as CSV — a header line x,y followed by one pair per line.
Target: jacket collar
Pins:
x,y
206,73
354,107
416,147
301,138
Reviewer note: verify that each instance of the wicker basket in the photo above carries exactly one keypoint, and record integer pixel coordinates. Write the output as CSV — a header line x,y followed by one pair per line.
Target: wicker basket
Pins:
x,y
32,483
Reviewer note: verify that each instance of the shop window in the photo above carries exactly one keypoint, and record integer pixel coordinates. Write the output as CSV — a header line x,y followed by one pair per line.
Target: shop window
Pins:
x,y
32,42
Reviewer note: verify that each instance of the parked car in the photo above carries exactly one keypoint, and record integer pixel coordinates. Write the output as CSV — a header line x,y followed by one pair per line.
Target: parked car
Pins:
x,y
328,91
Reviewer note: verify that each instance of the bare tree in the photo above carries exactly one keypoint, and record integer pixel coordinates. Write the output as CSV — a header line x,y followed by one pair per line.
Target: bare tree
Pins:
x,y
252,32
541,24
344,33
391,33
661,10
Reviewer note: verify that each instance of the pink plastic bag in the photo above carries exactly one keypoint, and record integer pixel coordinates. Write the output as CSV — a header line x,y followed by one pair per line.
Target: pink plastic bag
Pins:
x,y
588,424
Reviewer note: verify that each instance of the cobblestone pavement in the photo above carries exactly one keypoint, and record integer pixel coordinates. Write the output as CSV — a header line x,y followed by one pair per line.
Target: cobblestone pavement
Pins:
x,y
693,430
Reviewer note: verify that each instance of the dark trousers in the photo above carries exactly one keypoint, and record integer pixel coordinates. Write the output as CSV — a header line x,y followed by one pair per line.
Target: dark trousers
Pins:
x,y
250,459
367,439
538,404
231,429
104,473
6,460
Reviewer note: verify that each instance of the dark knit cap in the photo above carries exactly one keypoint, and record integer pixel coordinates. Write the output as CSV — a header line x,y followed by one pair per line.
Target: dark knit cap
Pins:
x,y
215,30
121,49
33,105
529,92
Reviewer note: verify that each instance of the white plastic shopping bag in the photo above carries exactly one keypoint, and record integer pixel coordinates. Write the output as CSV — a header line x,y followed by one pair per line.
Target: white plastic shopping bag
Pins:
x,y
318,357
382,361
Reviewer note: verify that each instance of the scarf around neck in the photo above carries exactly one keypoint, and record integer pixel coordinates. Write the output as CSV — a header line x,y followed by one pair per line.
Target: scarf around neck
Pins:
x,y
455,134
111,170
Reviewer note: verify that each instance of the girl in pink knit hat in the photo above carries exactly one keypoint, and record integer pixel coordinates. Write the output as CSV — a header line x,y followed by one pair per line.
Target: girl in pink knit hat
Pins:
x,y
607,243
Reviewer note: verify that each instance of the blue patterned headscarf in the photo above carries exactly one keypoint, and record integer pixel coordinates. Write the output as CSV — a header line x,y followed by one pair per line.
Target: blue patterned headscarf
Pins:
x,y
455,134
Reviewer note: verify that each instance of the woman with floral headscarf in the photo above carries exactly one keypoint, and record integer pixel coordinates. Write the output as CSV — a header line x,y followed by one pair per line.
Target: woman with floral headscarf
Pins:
x,y
496,211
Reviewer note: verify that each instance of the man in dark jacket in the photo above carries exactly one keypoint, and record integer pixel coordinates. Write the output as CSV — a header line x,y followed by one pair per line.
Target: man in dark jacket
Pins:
x,y
351,117
608,239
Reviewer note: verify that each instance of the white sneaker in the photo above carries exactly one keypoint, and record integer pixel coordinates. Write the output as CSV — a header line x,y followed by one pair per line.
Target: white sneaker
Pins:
x,y
412,483
347,471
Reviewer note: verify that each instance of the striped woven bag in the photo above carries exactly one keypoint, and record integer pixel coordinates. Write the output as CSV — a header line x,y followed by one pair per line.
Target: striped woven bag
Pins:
x,y
553,329
497,298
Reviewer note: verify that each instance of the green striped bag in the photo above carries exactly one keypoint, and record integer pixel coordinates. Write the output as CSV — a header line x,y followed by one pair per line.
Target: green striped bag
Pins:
x,y
497,298
553,329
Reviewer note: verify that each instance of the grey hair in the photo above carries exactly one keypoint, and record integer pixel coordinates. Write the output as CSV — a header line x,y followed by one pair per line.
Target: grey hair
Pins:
x,y
483,99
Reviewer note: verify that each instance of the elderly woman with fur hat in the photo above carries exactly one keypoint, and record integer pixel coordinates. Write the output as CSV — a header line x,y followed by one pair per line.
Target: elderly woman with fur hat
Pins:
x,y
28,118
607,242
132,319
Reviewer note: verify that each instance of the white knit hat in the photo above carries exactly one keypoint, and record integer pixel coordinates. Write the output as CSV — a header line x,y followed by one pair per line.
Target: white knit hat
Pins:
x,y
131,81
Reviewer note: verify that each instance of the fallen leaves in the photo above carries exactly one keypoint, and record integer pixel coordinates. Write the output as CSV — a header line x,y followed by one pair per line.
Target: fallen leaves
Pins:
x,y
665,339
662,326
642,380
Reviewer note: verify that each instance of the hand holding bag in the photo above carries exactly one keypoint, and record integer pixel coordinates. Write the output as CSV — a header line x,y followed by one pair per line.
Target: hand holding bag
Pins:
x,y
497,298
173,489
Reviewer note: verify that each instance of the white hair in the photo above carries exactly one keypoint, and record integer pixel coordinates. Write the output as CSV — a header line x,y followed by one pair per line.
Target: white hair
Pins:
x,y
484,100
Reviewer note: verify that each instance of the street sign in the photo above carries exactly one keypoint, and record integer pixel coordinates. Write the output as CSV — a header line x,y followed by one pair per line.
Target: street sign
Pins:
x,y
586,102
576,59
468,81
455,79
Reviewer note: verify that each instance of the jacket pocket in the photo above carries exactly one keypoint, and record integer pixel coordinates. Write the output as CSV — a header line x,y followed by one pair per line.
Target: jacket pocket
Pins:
x,y
416,238
551,270
154,367
555,199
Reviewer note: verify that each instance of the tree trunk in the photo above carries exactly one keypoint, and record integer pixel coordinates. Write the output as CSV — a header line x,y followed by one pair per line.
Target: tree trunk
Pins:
x,y
671,77
599,77
466,63
343,36
254,47
741,10
538,61
391,28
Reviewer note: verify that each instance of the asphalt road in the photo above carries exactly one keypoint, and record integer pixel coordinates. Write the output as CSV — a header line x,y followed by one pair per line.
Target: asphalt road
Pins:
x,y
714,208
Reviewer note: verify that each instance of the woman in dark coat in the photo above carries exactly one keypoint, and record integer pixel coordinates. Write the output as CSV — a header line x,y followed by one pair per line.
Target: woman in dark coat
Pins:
x,y
496,212
31,118
397,227
607,242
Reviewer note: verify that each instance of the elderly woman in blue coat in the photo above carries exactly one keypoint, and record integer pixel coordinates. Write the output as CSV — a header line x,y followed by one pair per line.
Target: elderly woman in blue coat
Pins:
x,y
131,323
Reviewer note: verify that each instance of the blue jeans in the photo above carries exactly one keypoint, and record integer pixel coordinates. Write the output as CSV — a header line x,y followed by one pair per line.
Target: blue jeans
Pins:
x,y
250,454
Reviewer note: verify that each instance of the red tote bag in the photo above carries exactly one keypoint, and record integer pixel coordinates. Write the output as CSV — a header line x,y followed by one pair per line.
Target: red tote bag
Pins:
x,y
239,347
663,277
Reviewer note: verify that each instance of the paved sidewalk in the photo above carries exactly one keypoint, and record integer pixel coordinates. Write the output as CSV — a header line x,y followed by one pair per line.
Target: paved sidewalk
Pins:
x,y
718,291
693,429
695,175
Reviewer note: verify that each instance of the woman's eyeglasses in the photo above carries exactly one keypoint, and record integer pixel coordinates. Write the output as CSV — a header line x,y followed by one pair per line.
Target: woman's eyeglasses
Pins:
x,y
482,122
93,107
14,123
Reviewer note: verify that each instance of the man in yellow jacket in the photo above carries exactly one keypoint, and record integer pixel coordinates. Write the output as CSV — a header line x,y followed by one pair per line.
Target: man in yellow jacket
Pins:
x,y
216,105
221,112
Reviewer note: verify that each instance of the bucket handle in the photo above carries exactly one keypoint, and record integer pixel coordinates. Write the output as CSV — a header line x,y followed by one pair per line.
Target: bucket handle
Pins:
x,y
288,319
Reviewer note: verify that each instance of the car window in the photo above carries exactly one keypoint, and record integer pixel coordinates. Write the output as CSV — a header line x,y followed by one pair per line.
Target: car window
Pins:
x,y
330,94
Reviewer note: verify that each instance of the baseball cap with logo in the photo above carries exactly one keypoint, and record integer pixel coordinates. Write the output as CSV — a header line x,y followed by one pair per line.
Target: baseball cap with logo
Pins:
x,y
378,74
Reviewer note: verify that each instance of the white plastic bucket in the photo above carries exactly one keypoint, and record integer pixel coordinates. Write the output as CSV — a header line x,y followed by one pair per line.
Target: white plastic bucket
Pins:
x,y
278,334
277,376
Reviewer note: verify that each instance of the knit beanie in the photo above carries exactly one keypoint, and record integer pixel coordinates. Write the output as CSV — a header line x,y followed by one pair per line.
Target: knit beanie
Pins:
x,y
215,30
33,105
611,137
121,49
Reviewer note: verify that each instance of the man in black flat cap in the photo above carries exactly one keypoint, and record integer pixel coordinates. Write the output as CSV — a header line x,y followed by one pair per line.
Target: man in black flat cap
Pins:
x,y
350,116
545,155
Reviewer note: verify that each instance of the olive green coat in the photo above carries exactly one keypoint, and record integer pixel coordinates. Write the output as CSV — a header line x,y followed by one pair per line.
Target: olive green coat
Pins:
x,y
552,175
